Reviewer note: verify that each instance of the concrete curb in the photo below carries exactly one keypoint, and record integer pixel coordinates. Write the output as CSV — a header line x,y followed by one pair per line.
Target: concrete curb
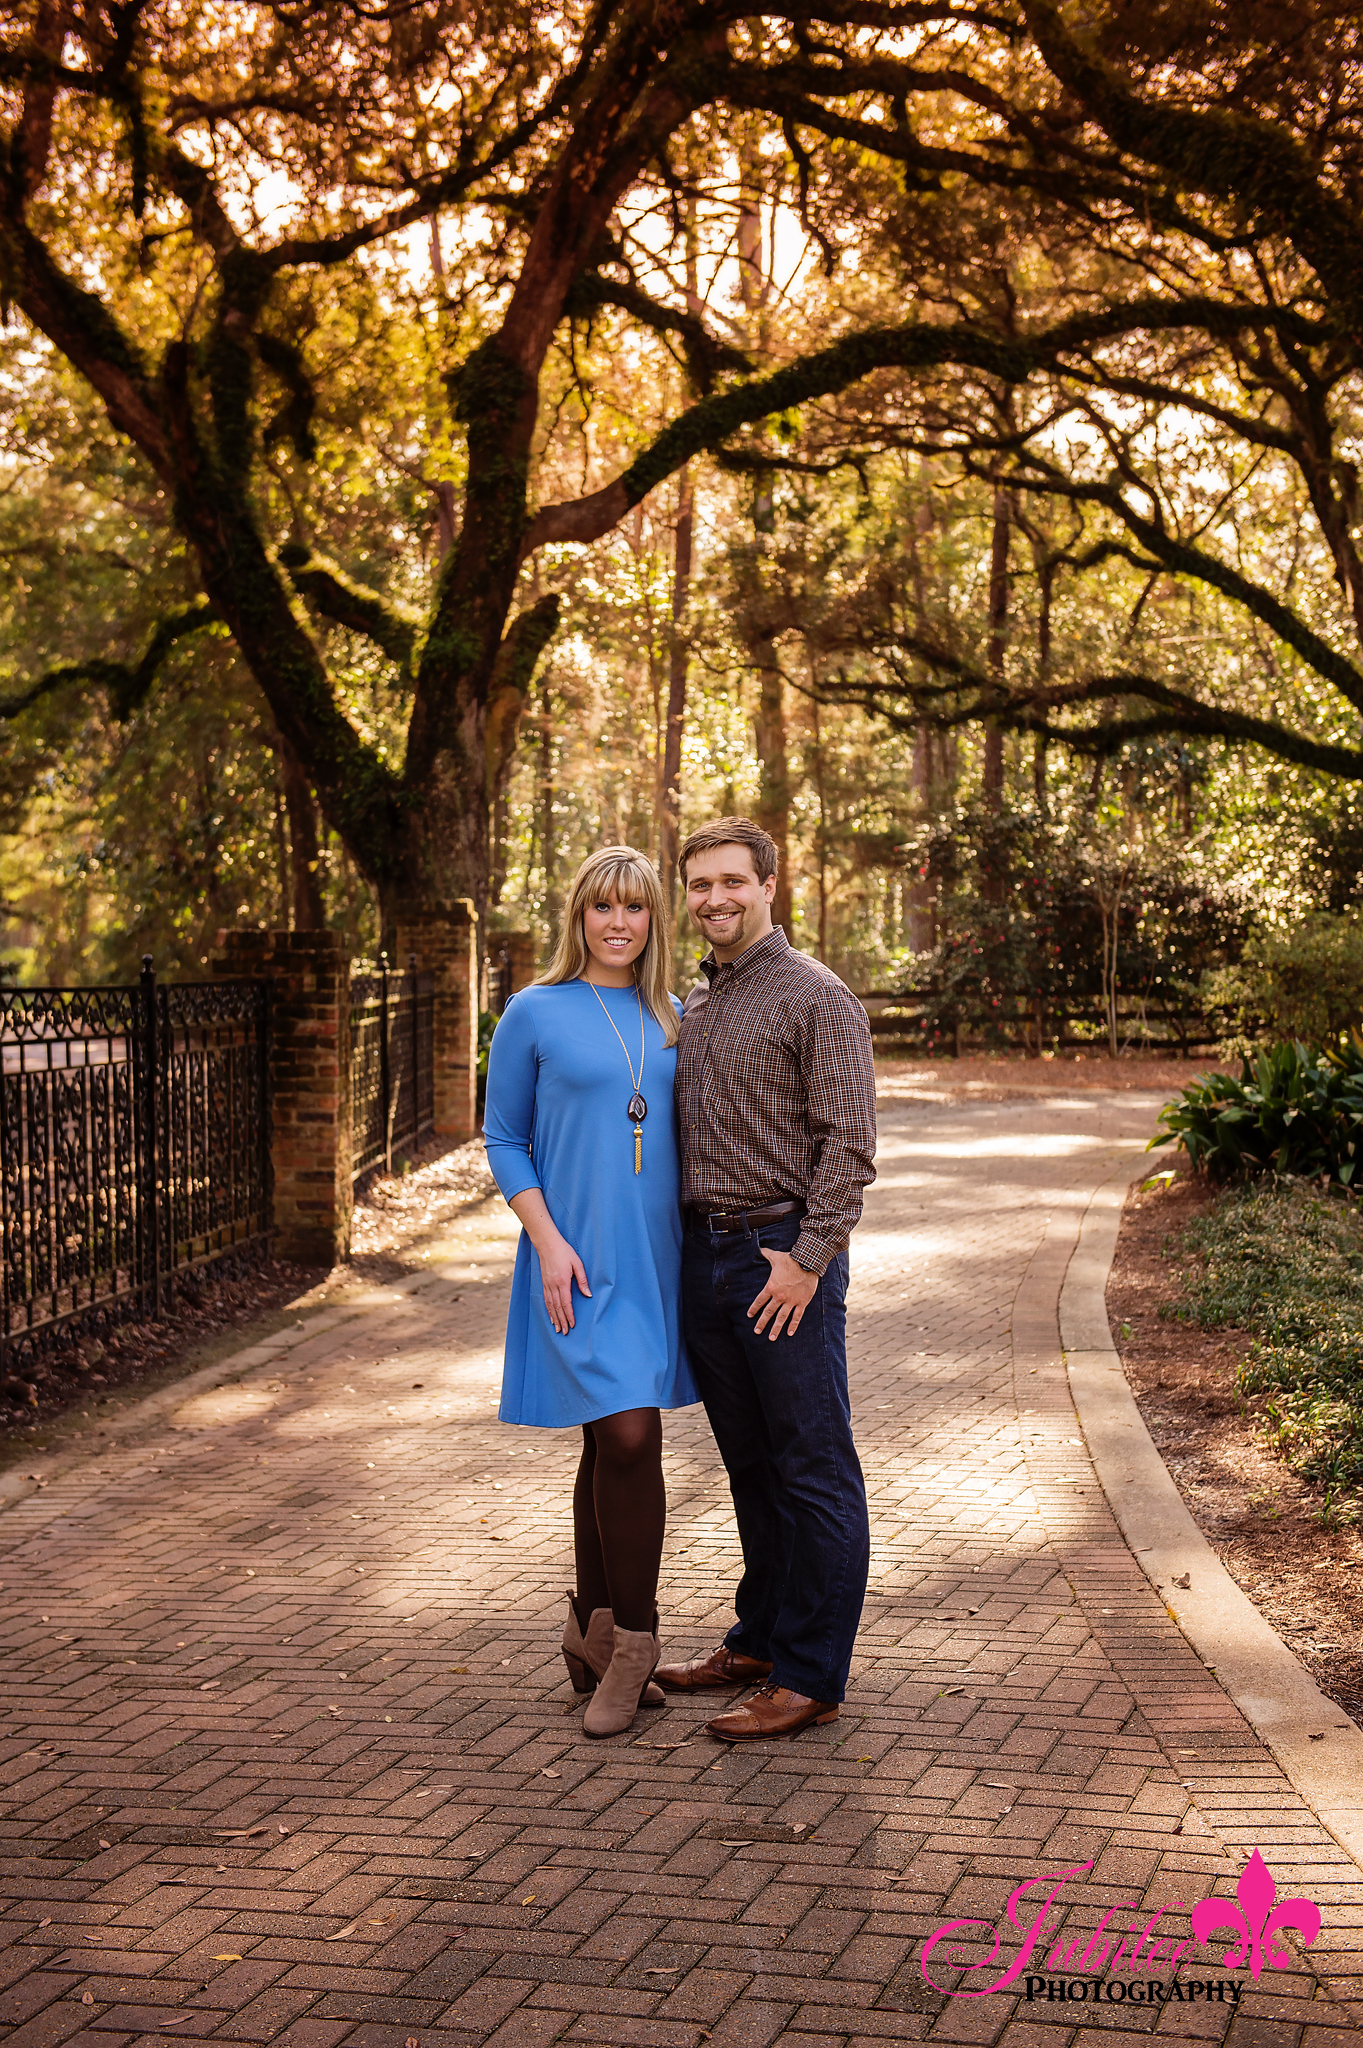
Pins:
x,y
1319,1749
164,1403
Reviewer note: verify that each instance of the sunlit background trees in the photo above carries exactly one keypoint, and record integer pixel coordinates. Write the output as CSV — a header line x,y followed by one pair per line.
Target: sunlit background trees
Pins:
x,y
436,440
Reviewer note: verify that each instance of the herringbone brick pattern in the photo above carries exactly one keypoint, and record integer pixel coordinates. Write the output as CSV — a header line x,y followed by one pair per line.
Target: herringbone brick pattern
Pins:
x,y
290,1756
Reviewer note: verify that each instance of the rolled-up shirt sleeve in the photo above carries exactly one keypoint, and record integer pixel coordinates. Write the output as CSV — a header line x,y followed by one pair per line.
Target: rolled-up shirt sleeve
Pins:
x,y
839,1074
509,1108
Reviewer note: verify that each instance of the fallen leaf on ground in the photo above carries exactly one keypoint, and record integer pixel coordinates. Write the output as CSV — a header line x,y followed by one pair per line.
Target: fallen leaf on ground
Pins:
x,y
103,1844
262,1828
87,1998
342,1932
670,1971
1184,1579
47,1922
383,1922
551,1774
529,1899
210,1685
746,1843
228,1959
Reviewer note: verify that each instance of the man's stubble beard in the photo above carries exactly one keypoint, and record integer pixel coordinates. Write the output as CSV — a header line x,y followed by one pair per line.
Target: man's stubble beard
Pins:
x,y
740,937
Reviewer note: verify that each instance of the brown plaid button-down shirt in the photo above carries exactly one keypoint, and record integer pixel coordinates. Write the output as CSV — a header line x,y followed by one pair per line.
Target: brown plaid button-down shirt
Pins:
x,y
776,1093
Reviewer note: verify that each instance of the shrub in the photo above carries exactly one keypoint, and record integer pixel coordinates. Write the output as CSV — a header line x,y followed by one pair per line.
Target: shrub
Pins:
x,y
1287,1266
1032,921
1292,1111
1303,984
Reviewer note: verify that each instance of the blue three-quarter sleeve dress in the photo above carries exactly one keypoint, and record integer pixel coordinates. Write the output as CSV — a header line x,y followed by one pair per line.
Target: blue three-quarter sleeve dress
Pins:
x,y
558,1088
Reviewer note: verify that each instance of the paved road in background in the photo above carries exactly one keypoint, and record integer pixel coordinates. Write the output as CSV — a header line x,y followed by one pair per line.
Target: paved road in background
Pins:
x,y
289,1752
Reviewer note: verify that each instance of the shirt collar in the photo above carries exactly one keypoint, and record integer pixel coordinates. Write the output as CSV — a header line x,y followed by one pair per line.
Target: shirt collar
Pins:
x,y
765,949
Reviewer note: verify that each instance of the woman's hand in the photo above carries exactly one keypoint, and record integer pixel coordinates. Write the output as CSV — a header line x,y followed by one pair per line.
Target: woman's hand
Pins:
x,y
559,1267
559,1263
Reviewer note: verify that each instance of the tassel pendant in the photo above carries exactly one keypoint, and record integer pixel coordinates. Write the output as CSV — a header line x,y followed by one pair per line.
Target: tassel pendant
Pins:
x,y
638,1146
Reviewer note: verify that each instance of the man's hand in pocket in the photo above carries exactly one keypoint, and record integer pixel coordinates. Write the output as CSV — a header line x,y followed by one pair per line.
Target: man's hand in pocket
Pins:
x,y
787,1293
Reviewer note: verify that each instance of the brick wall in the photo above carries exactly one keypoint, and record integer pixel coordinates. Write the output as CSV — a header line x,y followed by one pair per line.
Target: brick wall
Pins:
x,y
521,948
310,1144
444,938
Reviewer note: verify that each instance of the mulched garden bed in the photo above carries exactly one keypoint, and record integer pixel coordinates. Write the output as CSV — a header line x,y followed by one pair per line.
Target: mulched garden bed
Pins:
x,y
1267,1525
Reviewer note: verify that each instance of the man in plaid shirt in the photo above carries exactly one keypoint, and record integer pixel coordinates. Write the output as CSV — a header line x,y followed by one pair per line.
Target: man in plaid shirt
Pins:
x,y
776,1104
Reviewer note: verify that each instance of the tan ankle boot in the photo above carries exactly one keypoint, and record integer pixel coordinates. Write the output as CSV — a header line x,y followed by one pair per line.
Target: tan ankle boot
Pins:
x,y
587,1657
620,1693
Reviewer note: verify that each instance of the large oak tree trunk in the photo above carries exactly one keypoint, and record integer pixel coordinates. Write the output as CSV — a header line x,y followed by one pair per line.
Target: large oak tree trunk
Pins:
x,y
305,852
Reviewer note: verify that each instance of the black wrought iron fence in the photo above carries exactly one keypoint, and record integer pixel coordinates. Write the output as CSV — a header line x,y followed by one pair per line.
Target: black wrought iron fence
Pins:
x,y
134,1147
392,1064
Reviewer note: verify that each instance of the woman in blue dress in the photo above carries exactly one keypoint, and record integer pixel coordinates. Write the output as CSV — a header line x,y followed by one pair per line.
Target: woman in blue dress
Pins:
x,y
581,1136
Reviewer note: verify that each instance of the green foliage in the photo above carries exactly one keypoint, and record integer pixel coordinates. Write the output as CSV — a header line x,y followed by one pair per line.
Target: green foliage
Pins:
x,y
1293,1111
1287,1265
1305,983
1022,906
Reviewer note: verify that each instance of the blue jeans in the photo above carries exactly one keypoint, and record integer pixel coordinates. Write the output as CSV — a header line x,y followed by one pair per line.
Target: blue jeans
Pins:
x,y
782,1420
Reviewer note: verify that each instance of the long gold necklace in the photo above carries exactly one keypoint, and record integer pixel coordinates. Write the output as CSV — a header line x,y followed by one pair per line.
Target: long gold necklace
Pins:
x,y
638,1108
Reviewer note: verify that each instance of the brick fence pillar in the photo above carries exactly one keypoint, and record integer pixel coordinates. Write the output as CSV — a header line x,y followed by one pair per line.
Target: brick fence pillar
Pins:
x,y
520,948
444,937
310,1136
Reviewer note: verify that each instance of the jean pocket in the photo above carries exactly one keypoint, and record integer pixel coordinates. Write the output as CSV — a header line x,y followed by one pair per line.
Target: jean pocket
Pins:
x,y
781,1236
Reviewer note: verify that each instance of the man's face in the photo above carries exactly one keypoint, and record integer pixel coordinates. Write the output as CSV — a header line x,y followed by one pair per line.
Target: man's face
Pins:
x,y
726,901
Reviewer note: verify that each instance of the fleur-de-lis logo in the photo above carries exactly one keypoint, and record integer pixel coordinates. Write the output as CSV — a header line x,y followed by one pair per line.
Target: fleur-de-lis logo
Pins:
x,y
1258,1922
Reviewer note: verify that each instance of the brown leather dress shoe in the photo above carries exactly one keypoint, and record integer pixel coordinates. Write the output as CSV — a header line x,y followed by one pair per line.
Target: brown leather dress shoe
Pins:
x,y
721,1667
775,1710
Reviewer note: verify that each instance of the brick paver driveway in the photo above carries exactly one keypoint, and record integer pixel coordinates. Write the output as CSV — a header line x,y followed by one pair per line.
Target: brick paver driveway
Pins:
x,y
290,1753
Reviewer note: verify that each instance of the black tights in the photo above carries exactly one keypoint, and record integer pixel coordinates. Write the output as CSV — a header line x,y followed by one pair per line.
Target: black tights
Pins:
x,y
619,1510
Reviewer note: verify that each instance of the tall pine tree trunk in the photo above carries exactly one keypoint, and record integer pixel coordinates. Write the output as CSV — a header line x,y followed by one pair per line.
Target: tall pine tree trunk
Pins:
x,y
998,634
922,918
669,792
773,794
548,836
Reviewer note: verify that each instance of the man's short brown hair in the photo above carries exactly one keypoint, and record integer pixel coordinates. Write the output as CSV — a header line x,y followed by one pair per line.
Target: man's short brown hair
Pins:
x,y
733,832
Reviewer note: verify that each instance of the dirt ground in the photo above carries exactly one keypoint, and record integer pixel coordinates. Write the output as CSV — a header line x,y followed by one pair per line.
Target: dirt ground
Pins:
x,y
1263,1522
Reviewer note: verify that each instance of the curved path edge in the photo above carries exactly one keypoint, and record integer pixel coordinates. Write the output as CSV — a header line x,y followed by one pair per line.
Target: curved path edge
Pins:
x,y
1318,1749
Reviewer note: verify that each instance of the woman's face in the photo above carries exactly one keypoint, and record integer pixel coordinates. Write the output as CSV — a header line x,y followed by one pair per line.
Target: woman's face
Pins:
x,y
616,932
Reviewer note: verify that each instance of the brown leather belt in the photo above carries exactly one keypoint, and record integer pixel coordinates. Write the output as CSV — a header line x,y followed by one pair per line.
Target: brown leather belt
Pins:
x,y
744,1219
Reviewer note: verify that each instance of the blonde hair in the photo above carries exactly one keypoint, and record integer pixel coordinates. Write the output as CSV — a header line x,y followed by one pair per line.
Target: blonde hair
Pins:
x,y
630,877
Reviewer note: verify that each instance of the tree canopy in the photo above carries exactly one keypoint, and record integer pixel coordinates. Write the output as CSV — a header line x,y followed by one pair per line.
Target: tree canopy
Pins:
x,y
391,316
